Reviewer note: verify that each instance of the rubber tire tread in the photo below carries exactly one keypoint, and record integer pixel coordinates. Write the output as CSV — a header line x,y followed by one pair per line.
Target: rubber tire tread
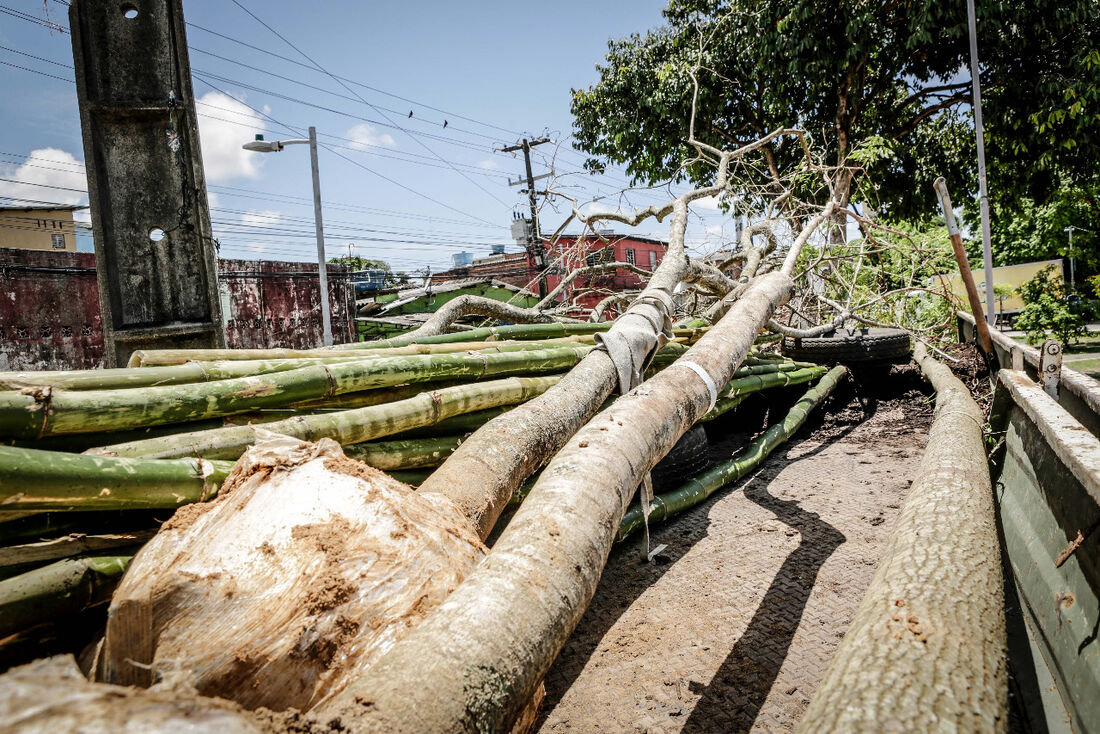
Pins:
x,y
877,345
688,458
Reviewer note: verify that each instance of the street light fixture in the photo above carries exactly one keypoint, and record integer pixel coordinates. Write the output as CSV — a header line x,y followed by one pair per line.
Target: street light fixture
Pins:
x,y
259,145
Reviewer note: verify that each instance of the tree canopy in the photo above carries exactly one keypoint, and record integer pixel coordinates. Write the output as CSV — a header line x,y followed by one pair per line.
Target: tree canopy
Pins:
x,y
850,72
358,262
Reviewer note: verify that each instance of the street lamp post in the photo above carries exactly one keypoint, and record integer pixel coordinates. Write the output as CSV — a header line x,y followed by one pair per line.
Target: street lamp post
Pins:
x,y
259,145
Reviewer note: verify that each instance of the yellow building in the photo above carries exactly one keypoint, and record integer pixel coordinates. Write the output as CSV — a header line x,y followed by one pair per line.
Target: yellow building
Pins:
x,y
1012,276
28,228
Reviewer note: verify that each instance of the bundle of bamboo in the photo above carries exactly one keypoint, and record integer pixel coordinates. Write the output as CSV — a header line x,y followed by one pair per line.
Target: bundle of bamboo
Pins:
x,y
162,433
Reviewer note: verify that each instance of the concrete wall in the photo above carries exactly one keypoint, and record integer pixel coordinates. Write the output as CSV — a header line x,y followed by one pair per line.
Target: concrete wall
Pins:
x,y
37,229
50,317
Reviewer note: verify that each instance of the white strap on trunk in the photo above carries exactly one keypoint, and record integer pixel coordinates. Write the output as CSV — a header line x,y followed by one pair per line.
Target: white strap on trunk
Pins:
x,y
646,492
712,388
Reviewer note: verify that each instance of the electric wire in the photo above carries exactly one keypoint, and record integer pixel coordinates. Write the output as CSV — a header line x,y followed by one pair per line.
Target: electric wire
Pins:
x,y
364,101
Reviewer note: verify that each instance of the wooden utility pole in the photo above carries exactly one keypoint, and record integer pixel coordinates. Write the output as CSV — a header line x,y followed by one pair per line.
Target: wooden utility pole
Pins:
x,y
155,259
534,236
982,326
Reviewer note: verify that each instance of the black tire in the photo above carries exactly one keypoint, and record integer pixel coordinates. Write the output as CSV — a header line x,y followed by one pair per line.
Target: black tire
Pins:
x,y
861,345
687,459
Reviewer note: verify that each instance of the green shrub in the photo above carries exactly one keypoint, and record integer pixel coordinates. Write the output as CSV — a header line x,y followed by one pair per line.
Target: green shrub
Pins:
x,y
1046,310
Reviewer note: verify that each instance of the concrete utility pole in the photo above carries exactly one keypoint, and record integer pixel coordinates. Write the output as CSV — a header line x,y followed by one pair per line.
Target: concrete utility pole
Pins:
x,y
155,259
534,236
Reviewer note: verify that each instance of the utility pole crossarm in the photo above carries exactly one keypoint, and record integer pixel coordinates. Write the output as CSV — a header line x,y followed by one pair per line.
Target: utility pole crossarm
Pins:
x,y
534,238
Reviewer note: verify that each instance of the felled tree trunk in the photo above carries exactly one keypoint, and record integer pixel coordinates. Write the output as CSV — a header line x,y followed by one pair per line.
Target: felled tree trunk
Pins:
x,y
475,661
926,650
484,471
52,695
304,570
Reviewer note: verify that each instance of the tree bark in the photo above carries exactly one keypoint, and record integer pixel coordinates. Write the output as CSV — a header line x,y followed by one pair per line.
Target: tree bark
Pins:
x,y
926,650
476,659
453,310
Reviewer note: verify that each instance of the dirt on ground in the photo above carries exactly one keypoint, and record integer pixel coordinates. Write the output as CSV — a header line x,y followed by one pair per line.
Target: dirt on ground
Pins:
x,y
734,624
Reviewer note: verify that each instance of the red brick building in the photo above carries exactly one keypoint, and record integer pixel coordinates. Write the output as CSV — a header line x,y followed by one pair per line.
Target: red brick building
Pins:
x,y
567,254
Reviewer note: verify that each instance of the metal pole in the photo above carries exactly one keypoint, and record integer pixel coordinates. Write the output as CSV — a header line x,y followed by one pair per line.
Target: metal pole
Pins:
x,y
987,252
1072,264
322,266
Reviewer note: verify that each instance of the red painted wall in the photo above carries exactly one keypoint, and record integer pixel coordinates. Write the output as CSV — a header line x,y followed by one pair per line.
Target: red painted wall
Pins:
x,y
50,318
519,268
645,254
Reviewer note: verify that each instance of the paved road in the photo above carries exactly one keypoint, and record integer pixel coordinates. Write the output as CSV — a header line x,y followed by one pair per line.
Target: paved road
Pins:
x,y
734,628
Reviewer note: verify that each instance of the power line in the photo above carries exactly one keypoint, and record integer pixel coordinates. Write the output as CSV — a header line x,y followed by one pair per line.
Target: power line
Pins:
x,y
450,113
263,195
314,87
364,101
259,230
567,151
340,155
449,141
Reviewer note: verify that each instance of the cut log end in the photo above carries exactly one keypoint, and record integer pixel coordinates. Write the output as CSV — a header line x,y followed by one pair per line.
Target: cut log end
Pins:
x,y
307,567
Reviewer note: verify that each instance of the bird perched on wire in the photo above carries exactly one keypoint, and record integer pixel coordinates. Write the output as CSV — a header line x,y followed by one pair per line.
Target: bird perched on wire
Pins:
x,y
410,113
444,124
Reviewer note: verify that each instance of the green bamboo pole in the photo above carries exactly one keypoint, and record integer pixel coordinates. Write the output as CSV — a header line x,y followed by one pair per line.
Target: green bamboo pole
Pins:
x,y
57,590
347,426
67,546
459,424
365,398
37,525
232,365
147,358
412,477
512,331
721,407
49,480
44,412
740,388
74,443
700,488
411,453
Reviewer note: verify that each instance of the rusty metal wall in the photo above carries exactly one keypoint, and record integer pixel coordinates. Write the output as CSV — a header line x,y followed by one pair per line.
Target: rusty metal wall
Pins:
x,y
50,314
49,311
277,304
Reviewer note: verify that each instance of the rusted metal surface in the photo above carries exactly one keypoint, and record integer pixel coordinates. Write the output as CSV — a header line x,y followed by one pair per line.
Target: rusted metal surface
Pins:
x,y
50,316
154,248
1050,366
1048,496
277,304
1079,394
49,311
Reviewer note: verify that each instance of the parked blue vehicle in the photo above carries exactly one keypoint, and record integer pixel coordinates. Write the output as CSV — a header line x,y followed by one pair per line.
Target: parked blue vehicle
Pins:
x,y
368,281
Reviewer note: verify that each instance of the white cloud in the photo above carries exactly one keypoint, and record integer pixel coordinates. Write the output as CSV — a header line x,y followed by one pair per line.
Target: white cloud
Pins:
x,y
224,127
707,203
488,165
365,136
48,167
265,218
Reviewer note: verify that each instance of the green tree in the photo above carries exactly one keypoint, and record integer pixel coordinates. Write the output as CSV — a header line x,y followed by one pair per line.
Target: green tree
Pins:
x,y
847,71
358,262
1047,310
1027,228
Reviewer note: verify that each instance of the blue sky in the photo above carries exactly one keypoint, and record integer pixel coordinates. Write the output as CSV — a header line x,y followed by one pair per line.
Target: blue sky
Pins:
x,y
506,66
